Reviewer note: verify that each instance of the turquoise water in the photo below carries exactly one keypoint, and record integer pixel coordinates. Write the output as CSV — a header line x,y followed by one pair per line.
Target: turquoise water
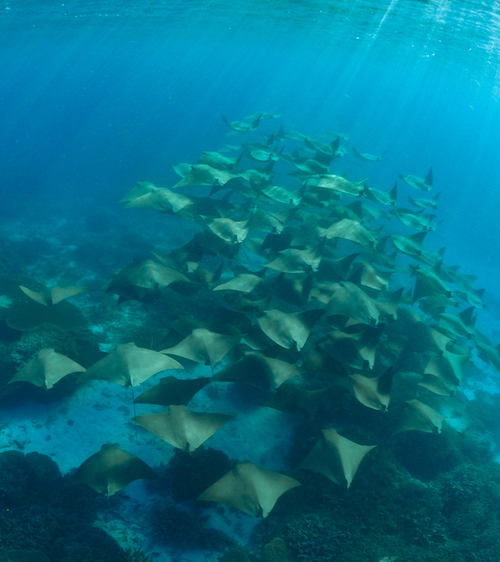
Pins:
x,y
97,96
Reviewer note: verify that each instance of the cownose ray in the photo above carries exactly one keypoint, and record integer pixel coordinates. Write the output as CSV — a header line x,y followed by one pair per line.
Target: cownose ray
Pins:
x,y
336,457
486,350
266,221
473,297
181,427
182,169
309,237
274,137
205,274
336,269
345,136
129,365
368,276
438,385
185,258
244,282
261,176
328,149
461,324
241,126
381,256
385,197
219,161
19,312
204,346
336,184
425,203
351,305
282,195
341,150
46,368
256,369
308,167
262,115
418,416
294,289
161,199
428,340
352,230
203,174
411,245
228,230
388,302
368,157
247,303
172,391
54,295
294,156
140,188
142,280
293,260
291,399
354,211
111,469
433,305
249,488
240,293
417,182
261,155
418,220
373,392
295,135
212,245
392,347
354,350
432,258
465,282
428,282
448,366
364,213
289,330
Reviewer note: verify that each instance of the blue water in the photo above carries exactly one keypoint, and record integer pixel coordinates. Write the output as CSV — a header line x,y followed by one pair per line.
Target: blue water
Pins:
x,y
96,96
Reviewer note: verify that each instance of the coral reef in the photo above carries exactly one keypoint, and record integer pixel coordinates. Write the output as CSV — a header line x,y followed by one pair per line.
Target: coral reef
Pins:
x,y
41,510
389,513
236,555
276,551
138,555
181,530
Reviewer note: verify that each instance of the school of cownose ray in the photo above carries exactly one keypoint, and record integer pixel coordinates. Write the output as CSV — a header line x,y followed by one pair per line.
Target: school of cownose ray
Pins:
x,y
304,291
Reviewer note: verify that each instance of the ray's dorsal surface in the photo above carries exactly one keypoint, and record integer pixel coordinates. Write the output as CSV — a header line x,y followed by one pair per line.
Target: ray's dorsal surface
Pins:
x,y
425,184
53,295
111,469
336,457
130,365
250,489
47,368
204,346
183,428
